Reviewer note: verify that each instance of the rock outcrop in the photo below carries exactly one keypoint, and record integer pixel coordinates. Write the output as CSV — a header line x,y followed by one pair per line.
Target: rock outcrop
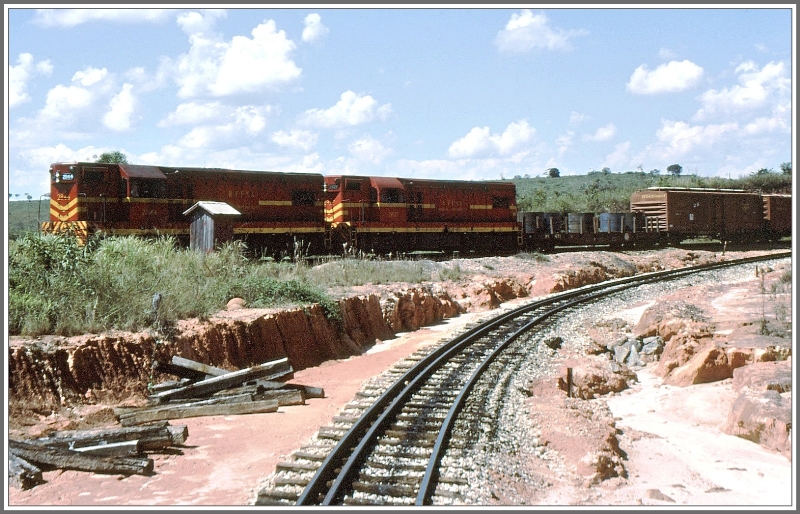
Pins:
x,y
762,412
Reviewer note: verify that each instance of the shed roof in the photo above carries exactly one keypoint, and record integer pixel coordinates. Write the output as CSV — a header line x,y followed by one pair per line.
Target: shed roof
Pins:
x,y
213,208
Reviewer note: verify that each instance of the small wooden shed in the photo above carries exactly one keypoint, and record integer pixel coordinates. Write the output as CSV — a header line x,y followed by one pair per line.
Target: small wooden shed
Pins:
x,y
211,224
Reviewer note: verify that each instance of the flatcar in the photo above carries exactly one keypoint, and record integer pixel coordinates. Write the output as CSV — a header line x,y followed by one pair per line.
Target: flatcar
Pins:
x,y
400,215
275,209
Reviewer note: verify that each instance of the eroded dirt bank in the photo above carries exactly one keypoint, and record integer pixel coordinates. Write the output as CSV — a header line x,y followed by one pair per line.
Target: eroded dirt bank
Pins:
x,y
614,464
52,372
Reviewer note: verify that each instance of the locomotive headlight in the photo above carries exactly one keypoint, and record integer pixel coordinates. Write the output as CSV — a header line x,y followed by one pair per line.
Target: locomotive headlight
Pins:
x,y
57,177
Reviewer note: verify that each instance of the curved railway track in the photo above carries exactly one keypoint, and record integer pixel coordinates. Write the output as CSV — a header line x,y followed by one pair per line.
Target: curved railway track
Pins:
x,y
402,441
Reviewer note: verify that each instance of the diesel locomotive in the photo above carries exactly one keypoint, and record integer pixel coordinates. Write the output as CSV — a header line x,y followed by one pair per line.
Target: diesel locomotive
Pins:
x,y
276,213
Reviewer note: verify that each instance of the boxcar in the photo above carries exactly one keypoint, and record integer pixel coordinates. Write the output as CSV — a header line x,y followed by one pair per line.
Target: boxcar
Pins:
x,y
679,214
777,215
385,215
277,209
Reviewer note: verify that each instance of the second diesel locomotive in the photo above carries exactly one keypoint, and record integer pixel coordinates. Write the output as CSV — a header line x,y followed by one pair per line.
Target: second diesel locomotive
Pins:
x,y
275,213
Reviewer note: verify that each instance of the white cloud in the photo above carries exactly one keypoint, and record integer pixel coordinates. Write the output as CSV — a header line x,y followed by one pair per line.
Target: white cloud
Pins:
x,y
479,140
620,156
350,110
369,149
672,77
191,113
227,126
201,22
754,89
251,119
300,139
604,133
73,17
475,142
666,54
314,29
677,138
62,99
779,120
576,118
89,76
242,65
526,31
564,142
121,109
19,75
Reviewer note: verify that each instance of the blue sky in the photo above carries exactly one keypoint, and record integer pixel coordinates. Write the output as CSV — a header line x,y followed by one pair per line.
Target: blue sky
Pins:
x,y
469,92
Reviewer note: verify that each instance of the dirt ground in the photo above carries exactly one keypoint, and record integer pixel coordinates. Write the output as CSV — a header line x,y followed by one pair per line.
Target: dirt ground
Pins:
x,y
676,454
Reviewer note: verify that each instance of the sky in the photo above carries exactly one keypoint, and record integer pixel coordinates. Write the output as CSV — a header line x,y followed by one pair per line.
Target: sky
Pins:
x,y
467,91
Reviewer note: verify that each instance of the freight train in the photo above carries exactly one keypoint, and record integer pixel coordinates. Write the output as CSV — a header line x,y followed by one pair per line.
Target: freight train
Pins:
x,y
278,213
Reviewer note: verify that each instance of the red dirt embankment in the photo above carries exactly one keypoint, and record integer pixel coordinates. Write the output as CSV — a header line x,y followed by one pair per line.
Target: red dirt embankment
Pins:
x,y
70,383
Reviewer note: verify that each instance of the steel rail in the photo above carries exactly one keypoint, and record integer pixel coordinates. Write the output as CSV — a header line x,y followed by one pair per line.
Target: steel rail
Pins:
x,y
352,450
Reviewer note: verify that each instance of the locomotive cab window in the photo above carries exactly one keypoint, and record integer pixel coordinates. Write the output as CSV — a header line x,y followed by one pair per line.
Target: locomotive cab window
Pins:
x,y
303,198
391,195
500,202
94,174
147,188
353,185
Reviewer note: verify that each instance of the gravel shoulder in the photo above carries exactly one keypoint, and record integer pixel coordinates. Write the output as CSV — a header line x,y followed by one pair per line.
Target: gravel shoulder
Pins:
x,y
675,452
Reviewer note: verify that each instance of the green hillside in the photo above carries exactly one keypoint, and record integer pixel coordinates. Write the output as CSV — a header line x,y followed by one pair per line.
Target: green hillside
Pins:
x,y
23,214
610,192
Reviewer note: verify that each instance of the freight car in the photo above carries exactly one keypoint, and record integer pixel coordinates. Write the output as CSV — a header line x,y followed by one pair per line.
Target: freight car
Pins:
x,y
400,215
777,216
276,210
675,214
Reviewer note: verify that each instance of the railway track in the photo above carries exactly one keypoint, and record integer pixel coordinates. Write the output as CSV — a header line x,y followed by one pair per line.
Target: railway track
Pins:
x,y
406,437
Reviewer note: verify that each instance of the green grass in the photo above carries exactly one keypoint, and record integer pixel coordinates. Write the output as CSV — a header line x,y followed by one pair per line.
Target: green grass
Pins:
x,y
59,287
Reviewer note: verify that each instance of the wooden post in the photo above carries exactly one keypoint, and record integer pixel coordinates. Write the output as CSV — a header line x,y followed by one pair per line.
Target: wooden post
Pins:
x,y
569,382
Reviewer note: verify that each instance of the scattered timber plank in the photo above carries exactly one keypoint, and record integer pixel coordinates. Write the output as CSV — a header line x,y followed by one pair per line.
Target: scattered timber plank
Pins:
x,y
308,391
141,412
257,387
170,384
178,371
68,459
193,410
73,439
179,434
120,449
291,397
268,370
22,474
209,371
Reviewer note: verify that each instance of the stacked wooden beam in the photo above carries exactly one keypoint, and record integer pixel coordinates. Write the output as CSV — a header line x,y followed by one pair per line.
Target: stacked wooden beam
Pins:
x,y
200,390
204,390
108,450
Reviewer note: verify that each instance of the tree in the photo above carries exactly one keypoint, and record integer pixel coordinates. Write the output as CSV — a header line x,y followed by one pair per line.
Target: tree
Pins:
x,y
655,171
606,171
765,171
675,169
786,168
112,157
553,172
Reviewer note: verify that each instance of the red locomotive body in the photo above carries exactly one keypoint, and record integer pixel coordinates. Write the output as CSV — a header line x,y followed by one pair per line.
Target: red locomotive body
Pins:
x,y
680,214
125,199
383,214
